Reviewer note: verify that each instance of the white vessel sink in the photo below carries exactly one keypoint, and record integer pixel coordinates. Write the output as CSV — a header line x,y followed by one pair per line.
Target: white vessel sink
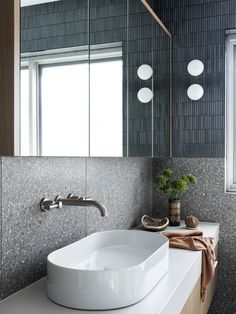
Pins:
x,y
107,270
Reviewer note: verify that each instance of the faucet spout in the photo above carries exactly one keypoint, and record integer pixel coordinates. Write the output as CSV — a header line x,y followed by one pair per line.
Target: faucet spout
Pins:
x,y
98,205
73,200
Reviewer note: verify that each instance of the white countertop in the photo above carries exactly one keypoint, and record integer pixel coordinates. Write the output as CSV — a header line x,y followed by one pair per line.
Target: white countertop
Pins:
x,y
167,297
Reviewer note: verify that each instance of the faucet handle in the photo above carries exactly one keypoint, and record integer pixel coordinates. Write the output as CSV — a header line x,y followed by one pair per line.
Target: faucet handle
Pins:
x,y
46,204
74,197
57,202
71,196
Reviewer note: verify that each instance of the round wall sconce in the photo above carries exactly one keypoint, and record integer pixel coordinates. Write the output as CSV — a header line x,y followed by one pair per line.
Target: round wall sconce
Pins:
x,y
195,67
145,72
145,95
195,92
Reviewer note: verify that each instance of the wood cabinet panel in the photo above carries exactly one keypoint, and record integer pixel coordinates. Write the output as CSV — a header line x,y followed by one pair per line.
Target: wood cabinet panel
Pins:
x,y
194,304
209,295
9,74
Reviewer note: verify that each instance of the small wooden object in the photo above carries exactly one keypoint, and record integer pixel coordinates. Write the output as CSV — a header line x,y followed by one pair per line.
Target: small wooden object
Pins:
x,y
154,224
191,222
174,212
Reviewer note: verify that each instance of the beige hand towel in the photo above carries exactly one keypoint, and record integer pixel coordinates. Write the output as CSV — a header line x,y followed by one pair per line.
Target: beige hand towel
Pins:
x,y
194,241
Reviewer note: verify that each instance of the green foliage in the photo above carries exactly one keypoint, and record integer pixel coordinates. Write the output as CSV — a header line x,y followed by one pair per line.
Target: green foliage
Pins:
x,y
174,188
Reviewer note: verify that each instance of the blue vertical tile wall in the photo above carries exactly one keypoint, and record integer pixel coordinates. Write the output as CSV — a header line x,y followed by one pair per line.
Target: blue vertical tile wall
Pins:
x,y
198,28
0,228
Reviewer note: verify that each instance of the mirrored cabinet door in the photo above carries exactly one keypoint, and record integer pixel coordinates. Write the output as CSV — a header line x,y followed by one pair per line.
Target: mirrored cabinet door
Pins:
x,y
108,89
54,115
149,84
95,79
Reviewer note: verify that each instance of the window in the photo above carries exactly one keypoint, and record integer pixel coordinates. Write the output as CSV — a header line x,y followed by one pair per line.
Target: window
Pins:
x,y
230,113
72,107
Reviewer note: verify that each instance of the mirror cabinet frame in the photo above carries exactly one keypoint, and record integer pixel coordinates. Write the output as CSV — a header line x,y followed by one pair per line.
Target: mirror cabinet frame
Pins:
x,y
9,74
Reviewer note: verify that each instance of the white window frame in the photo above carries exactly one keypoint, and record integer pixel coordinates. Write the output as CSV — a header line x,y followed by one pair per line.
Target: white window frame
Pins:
x,y
34,60
230,113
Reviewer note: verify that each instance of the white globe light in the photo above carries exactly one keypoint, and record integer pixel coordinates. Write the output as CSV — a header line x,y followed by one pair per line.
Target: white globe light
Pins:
x,y
195,92
145,72
145,95
195,67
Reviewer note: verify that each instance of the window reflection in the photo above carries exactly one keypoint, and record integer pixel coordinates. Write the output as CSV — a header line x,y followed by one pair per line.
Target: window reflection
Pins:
x,y
71,119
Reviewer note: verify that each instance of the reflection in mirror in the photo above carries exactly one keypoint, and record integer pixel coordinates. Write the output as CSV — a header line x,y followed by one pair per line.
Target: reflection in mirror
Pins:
x,y
195,67
106,108
145,95
24,112
79,83
64,97
63,119
148,123
25,3
145,72
195,92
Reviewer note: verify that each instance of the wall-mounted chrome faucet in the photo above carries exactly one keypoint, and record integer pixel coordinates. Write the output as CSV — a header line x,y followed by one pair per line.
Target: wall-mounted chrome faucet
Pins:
x,y
72,200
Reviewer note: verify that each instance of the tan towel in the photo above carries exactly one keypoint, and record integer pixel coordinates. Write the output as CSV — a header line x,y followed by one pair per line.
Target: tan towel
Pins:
x,y
194,241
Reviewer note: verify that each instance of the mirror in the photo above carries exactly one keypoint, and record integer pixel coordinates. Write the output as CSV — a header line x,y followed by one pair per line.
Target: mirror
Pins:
x,y
95,79
195,67
195,92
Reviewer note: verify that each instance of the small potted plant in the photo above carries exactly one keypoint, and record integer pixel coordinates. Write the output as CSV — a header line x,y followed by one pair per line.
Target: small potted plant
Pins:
x,y
174,188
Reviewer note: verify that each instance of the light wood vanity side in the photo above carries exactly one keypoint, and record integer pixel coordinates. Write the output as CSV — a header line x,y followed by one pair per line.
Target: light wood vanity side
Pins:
x,y
209,294
194,304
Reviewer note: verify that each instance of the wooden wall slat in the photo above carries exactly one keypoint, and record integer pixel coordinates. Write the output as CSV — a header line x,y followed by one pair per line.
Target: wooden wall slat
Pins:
x,y
9,72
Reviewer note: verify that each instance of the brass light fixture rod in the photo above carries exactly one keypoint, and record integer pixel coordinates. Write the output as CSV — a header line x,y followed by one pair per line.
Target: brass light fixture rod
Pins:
x,y
159,21
165,29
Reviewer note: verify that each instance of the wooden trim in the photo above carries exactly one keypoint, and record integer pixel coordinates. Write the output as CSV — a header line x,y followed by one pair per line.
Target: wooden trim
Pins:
x,y
9,72
204,307
194,305
156,17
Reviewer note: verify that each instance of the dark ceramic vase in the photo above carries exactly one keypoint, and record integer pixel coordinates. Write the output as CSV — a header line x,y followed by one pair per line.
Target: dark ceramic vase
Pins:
x,y
174,212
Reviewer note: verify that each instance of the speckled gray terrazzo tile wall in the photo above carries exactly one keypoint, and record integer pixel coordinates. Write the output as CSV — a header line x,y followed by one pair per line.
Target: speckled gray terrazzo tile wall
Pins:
x,y
125,187
208,202
0,228
28,235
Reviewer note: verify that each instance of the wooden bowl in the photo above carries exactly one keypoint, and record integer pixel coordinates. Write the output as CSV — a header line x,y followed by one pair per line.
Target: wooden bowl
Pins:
x,y
154,224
